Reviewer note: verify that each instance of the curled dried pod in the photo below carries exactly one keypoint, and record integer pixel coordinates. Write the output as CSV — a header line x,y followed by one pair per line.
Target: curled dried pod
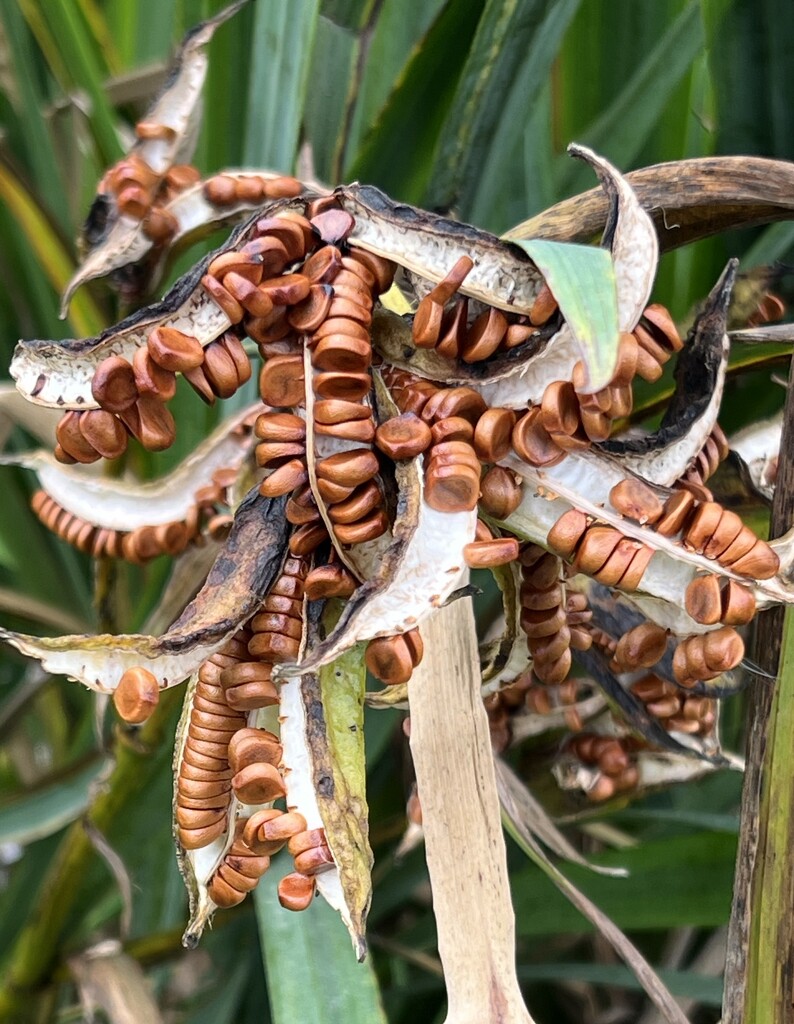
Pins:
x,y
136,695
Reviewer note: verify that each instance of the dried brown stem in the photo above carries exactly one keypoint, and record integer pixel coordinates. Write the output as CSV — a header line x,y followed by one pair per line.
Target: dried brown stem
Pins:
x,y
756,850
452,754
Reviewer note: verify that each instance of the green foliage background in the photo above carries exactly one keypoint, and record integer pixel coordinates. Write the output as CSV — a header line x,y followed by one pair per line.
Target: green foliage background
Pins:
x,y
457,105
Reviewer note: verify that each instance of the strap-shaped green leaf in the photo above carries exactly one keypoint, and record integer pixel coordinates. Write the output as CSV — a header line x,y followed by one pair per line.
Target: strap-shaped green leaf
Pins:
x,y
582,280
311,971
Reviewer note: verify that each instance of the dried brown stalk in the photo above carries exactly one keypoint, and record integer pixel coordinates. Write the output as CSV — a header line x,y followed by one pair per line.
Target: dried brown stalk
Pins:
x,y
465,847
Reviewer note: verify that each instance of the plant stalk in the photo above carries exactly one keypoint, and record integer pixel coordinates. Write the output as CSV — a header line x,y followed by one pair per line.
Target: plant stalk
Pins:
x,y
464,843
759,970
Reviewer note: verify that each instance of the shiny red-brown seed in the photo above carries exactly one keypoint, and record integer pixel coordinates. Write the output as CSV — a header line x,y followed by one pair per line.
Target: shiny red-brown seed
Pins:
x,y
486,553
281,381
113,384
403,437
533,443
136,695
223,298
492,434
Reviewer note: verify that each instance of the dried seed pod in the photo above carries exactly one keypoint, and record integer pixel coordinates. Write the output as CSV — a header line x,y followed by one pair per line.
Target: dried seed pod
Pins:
x,y
136,696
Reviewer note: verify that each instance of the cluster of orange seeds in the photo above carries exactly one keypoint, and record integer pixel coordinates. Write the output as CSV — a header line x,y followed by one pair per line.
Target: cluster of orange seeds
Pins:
x,y
306,297
441,321
614,757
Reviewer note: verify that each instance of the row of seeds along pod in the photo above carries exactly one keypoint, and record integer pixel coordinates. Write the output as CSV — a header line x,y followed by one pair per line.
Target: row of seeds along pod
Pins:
x,y
566,420
455,431
554,622
606,554
674,710
697,658
251,287
346,283
142,194
133,396
441,321
207,515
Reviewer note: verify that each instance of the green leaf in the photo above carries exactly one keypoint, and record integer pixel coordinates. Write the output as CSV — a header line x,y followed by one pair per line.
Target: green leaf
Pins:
x,y
344,810
45,810
658,892
281,45
622,128
512,36
311,970
396,155
582,280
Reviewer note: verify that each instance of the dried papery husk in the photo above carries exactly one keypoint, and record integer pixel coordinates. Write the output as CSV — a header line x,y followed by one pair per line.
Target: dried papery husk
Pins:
x,y
116,503
428,245
176,111
420,569
665,455
321,731
504,659
757,447
239,578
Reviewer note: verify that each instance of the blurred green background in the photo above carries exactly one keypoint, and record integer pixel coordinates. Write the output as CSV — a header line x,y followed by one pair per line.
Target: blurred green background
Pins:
x,y
461,106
